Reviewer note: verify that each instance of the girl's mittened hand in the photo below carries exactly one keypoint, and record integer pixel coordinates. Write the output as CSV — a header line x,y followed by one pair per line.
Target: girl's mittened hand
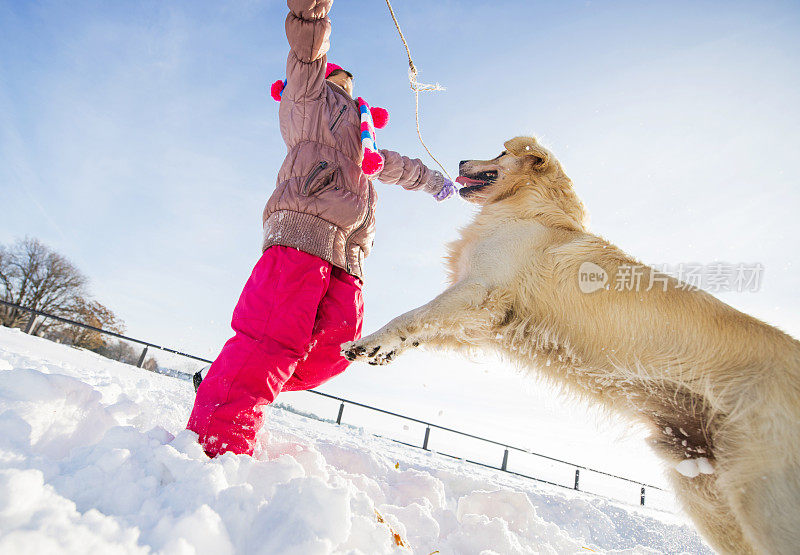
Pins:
x,y
448,190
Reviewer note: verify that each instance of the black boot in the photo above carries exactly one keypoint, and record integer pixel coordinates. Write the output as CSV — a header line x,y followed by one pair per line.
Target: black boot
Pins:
x,y
197,379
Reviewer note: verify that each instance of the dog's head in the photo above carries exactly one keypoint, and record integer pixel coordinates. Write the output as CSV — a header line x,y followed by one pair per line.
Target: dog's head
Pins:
x,y
529,174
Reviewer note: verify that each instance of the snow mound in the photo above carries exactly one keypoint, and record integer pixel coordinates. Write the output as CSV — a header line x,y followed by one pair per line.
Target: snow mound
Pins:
x,y
94,458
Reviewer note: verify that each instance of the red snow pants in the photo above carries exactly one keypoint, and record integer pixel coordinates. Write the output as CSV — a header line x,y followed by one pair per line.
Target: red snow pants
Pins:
x,y
292,316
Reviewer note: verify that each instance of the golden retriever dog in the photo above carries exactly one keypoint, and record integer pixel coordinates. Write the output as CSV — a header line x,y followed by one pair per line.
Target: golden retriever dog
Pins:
x,y
718,389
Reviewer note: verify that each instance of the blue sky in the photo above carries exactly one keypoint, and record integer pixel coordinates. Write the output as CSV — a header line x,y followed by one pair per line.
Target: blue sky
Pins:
x,y
139,140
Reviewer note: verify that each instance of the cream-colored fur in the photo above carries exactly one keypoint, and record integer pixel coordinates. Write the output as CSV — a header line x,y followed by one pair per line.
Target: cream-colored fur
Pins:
x,y
708,380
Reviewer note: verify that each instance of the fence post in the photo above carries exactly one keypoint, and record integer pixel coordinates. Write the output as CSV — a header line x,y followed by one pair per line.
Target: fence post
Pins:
x,y
31,321
577,478
641,500
427,437
141,358
504,466
339,417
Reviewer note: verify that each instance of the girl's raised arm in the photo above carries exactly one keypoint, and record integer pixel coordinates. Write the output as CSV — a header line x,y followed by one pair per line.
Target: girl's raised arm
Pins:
x,y
308,29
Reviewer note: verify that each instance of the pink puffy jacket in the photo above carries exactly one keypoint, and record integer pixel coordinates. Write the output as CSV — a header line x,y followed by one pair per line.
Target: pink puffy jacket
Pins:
x,y
323,203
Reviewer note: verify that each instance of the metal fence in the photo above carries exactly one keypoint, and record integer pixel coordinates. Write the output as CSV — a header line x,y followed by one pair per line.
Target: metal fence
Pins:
x,y
573,483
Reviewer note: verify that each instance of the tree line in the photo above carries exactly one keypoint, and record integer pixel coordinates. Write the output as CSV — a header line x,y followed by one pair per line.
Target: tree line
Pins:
x,y
36,277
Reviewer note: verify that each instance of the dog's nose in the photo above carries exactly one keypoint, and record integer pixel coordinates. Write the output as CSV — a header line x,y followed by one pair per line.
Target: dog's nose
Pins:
x,y
461,164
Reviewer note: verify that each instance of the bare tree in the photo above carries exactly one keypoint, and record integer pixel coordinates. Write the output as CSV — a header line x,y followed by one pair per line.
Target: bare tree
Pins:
x,y
34,276
125,352
121,351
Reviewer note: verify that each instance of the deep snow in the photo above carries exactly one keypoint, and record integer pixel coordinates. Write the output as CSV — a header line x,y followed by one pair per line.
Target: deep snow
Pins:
x,y
94,458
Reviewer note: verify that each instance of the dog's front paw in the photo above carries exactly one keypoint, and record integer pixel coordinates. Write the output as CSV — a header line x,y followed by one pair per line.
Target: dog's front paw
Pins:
x,y
376,349
352,351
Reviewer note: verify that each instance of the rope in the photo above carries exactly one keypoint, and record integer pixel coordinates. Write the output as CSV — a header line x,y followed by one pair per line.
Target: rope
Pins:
x,y
417,87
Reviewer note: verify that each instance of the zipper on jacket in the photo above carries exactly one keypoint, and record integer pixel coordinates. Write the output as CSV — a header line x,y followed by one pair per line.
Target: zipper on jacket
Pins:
x,y
338,117
310,179
359,228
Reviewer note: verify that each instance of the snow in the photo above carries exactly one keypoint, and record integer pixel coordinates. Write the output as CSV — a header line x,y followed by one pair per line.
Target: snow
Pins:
x,y
692,468
94,458
704,466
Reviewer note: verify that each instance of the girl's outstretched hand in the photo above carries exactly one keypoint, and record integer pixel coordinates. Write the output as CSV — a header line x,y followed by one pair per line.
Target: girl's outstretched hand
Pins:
x,y
448,190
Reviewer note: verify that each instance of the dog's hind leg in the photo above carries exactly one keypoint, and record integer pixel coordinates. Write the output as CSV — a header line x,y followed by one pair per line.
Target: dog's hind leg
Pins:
x,y
708,508
458,307
761,474
768,506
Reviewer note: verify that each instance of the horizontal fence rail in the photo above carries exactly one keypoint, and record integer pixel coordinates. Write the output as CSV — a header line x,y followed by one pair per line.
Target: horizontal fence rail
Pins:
x,y
425,444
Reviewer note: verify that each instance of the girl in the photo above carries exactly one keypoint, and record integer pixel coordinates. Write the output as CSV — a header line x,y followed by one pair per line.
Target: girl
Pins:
x,y
303,298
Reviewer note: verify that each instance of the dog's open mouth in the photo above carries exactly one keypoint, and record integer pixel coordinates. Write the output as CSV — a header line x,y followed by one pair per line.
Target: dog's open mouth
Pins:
x,y
470,184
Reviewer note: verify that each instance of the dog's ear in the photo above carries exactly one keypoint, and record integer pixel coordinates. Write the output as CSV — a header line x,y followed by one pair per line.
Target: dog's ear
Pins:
x,y
528,147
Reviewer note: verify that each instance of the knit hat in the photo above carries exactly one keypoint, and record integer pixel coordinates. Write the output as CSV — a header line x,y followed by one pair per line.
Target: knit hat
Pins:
x,y
276,90
371,118
330,68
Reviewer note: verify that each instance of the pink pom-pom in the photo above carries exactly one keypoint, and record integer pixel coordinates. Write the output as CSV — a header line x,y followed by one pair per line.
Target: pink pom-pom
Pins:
x,y
276,89
372,162
380,117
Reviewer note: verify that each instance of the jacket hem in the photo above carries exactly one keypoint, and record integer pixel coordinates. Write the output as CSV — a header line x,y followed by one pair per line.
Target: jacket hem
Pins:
x,y
313,235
